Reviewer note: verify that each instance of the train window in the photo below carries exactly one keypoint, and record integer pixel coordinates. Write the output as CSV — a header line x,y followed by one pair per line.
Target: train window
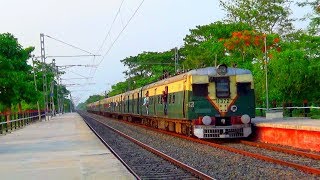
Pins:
x,y
222,87
200,89
173,98
170,98
243,88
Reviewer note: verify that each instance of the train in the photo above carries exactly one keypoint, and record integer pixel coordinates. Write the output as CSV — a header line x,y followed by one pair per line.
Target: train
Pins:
x,y
210,102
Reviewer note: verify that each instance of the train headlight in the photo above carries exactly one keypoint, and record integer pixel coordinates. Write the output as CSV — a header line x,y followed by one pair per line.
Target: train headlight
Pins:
x,y
234,108
222,69
206,120
245,119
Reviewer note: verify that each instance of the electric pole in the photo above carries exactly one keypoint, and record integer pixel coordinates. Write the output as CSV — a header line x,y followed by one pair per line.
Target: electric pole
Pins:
x,y
44,76
70,103
266,69
52,108
176,59
58,90
35,86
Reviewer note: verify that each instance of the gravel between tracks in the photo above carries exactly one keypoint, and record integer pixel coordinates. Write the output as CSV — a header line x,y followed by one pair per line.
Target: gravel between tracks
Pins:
x,y
144,163
212,161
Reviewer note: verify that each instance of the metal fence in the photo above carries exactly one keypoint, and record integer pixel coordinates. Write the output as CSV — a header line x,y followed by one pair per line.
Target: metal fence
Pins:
x,y
296,111
18,120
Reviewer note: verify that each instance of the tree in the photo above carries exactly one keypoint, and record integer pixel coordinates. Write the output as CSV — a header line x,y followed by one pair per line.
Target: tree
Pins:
x,y
82,106
203,44
314,26
59,90
295,70
93,98
246,48
16,80
148,67
265,15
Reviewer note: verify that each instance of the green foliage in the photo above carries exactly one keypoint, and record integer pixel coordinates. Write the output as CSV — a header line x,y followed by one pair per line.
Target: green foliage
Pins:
x,y
16,80
144,69
294,72
39,69
203,44
148,64
314,26
81,106
94,98
265,15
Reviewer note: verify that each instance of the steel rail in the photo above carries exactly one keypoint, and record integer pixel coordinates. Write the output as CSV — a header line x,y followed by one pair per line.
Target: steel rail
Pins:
x,y
160,154
234,150
280,149
110,148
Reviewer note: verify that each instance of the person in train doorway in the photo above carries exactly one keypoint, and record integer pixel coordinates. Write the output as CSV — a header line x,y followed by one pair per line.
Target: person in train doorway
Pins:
x,y
165,101
146,102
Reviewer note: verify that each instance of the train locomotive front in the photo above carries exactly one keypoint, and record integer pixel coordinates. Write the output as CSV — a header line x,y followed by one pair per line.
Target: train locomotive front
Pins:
x,y
222,102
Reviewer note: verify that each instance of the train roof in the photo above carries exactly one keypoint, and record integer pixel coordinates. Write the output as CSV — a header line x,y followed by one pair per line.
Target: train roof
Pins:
x,y
212,71
209,71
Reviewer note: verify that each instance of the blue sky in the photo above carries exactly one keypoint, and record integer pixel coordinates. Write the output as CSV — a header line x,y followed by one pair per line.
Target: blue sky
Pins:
x,y
159,25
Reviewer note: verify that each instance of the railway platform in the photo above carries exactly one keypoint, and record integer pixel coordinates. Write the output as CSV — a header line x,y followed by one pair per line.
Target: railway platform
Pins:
x,y
62,148
298,132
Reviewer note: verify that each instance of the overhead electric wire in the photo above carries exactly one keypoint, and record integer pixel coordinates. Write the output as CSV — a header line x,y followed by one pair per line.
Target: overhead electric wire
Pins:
x,y
109,31
76,73
70,45
62,56
107,35
77,78
135,12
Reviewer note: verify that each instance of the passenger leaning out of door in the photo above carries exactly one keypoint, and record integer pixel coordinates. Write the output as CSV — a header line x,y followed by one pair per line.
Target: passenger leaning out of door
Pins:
x,y
165,102
146,102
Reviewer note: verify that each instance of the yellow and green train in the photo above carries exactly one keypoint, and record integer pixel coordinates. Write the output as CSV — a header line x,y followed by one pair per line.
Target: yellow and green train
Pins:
x,y
212,102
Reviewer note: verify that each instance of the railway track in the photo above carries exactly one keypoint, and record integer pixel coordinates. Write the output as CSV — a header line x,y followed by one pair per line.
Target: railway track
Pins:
x,y
281,149
245,152
142,160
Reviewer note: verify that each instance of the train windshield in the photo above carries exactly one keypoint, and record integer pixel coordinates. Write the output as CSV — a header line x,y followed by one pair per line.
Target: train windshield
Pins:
x,y
222,87
200,89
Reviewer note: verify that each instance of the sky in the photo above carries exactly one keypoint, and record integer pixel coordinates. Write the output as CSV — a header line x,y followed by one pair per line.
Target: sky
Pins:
x,y
158,25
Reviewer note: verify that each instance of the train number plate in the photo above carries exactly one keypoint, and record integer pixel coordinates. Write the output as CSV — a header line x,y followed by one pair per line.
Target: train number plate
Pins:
x,y
191,104
223,101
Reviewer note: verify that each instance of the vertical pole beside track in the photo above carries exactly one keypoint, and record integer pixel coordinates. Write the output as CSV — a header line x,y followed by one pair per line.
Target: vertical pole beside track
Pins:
x,y
70,103
35,86
52,88
176,59
44,76
58,90
266,69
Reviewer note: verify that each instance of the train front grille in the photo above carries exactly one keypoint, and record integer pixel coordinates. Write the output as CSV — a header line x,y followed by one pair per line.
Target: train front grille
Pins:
x,y
223,132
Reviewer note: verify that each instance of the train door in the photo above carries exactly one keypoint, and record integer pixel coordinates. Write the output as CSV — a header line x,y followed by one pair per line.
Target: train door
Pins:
x,y
138,103
121,104
128,105
132,109
166,101
184,100
155,101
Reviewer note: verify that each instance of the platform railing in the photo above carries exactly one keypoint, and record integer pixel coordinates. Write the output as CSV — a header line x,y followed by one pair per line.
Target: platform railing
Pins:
x,y
18,120
295,111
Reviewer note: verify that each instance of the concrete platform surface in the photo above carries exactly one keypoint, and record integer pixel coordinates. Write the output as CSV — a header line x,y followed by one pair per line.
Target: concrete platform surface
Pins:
x,y
298,123
63,148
